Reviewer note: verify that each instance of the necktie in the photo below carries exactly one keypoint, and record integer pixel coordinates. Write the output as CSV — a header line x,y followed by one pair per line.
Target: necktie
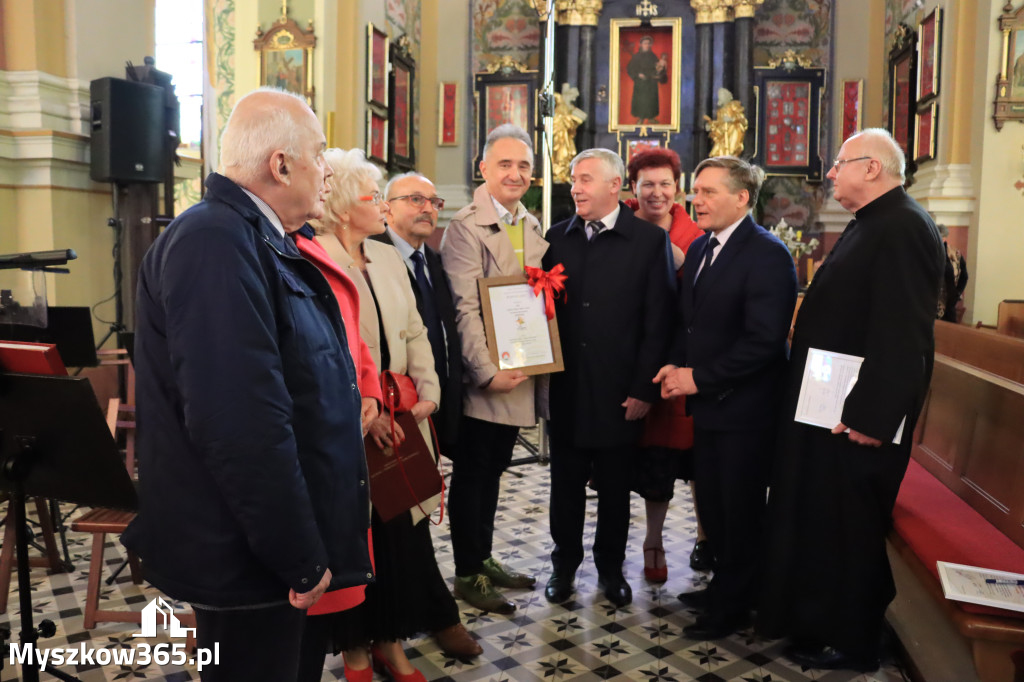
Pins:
x,y
709,254
431,318
594,226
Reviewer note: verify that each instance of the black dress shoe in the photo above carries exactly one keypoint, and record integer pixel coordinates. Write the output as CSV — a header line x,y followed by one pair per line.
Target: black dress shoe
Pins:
x,y
702,558
559,588
829,658
698,599
714,627
616,590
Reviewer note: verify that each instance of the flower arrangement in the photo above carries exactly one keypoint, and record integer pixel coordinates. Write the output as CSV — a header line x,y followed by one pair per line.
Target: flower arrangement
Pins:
x,y
793,239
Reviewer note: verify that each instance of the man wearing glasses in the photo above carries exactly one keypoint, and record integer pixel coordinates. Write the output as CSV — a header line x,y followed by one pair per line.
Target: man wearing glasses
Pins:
x,y
494,236
833,490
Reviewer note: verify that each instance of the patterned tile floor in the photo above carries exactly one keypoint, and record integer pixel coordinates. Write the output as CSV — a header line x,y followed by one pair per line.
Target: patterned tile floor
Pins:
x,y
585,639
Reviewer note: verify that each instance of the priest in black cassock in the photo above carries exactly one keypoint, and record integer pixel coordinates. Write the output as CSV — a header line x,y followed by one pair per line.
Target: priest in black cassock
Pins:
x,y
828,578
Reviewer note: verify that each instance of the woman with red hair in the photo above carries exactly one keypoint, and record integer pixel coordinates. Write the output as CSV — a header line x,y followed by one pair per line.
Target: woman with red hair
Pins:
x,y
668,435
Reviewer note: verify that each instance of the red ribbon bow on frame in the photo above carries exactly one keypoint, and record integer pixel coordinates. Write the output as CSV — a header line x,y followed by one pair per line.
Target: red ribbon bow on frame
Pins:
x,y
551,283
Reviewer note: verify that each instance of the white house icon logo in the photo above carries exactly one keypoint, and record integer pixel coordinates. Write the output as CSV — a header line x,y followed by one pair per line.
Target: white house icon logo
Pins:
x,y
160,609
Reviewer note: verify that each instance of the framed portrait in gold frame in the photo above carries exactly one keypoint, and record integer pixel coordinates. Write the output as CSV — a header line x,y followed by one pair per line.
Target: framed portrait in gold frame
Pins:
x,y
926,134
1009,102
644,74
377,137
286,57
448,114
377,52
929,55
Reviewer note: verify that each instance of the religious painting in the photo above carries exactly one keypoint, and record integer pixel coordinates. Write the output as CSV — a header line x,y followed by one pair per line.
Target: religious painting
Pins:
x,y
507,104
400,112
448,114
928,57
286,58
1009,102
284,70
902,82
505,93
927,130
645,74
853,94
377,44
632,142
788,111
376,137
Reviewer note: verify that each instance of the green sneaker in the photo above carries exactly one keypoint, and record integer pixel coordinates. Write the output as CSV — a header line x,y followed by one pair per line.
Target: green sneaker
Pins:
x,y
503,576
477,591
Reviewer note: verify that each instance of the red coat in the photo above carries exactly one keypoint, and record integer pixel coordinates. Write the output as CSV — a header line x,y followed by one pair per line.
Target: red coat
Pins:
x,y
348,300
667,424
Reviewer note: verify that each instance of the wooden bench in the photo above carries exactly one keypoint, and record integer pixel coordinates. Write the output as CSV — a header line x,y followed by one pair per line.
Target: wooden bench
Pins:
x,y
963,501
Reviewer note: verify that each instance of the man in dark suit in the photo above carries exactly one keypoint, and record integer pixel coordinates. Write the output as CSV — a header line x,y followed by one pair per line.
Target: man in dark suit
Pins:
x,y
738,294
412,210
614,323
828,581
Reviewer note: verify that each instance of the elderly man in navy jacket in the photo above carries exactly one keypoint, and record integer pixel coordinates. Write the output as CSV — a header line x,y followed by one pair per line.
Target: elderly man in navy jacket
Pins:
x,y
253,496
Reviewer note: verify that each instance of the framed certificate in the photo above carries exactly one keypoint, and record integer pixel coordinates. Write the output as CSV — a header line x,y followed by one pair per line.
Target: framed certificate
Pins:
x,y
519,334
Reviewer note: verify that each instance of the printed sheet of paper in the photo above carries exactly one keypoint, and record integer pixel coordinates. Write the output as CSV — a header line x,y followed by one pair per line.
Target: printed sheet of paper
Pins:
x,y
828,379
968,584
520,327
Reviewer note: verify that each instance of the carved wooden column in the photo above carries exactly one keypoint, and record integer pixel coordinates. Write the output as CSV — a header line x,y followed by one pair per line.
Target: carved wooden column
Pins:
x,y
708,12
574,57
743,80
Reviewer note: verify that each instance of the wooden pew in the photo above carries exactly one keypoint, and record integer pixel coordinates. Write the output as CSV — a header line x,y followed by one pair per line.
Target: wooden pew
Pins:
x,y
971,438
1010,318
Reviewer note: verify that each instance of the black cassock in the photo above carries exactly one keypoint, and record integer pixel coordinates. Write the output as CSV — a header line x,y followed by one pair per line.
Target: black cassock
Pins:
x,y
645,90
828,579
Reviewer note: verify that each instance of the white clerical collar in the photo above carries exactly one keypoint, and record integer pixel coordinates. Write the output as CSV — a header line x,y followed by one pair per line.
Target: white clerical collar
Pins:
x,y
504,215
265,209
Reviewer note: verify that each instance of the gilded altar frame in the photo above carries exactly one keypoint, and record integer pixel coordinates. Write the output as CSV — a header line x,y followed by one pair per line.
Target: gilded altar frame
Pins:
x,y
286,57
1009,102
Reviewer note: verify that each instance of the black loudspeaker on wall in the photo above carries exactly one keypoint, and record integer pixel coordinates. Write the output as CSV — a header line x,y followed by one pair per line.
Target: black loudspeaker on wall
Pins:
x,y
128,131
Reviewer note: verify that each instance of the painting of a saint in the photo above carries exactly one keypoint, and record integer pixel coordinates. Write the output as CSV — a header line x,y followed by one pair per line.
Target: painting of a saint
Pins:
x,y
648,71
644,74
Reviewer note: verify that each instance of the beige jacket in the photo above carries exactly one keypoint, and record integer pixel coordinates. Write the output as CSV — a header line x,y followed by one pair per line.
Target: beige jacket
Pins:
x,y
404,330
475,246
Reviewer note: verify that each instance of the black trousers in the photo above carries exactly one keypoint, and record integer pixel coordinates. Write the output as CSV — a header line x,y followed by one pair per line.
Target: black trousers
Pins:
x,y
731,470
571,467
483,452
255,644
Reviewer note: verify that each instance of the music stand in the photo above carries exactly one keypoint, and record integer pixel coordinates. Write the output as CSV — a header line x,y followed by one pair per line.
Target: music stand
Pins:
x,y
54,443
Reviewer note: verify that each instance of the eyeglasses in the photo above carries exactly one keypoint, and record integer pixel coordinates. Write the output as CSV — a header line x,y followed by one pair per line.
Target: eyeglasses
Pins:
x,y
376,198
419,201
839,162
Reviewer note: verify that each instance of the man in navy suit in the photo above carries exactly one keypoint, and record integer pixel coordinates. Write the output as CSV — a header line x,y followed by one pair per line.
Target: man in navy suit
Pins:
x,y
615,327
738,294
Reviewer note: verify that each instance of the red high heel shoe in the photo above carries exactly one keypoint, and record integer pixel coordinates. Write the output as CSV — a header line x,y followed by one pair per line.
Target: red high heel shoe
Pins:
x,y
656,574
380,664
363,675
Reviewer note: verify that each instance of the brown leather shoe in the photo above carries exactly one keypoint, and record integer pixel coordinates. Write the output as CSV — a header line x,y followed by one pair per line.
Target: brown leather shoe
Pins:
x,y
456,641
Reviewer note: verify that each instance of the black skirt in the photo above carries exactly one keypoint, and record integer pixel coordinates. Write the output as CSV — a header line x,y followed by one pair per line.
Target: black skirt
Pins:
x,y
409,596
655,470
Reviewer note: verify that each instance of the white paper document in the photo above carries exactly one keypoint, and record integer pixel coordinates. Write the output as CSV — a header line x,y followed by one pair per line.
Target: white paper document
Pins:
x,y
828,379
520,326
976,585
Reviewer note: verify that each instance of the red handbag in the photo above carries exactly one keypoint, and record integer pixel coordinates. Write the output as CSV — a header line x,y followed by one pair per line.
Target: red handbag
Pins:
x,y
399,398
